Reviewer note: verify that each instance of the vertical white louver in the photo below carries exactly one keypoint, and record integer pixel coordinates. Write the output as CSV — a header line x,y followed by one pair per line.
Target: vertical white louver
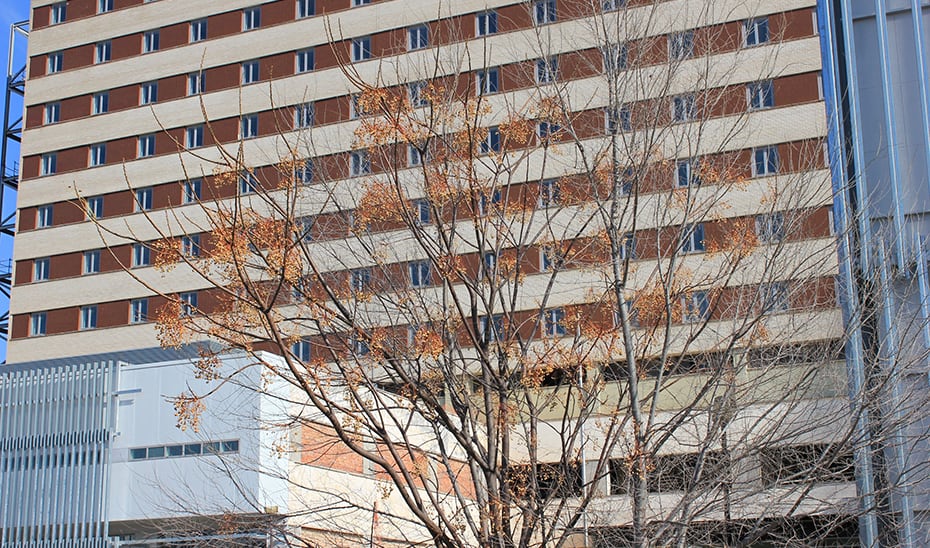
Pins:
x,y
56,426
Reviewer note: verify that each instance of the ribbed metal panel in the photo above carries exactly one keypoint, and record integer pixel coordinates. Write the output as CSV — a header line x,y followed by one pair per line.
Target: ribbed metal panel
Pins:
x,y
56,425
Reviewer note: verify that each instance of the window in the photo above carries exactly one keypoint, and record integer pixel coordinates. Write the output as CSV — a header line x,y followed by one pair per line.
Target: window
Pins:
x,y
549,193
49,164
100,103
694,306
489,264
141,255
198,30
417,37
138,310
756,31
196,83
773,297
414,155
247,183
360,2
143,199
687,173
38,322
491,143
94,207
683,109
303,115
52,113
550,258
193,136
40,269
360,163
251,18
304,172
301,350
102,52
617,120
361,48
250,72
612,5
488,199
544,12
765,161
416,92
58,13
91,262
148,93
628,246
305,60
190,245
305,8
491,328
420,274
546,70
760,95
355,108
104,6
615,58
188,303
544,130
146,146
150,41
56,62
488,81
555,322
44,216
98,154
486,23
681,45
770,228
248,126
360,279
88,318
192,191
422,212
693,238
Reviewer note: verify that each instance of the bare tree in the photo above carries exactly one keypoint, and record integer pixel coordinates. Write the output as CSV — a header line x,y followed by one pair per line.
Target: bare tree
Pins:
x,y
598,309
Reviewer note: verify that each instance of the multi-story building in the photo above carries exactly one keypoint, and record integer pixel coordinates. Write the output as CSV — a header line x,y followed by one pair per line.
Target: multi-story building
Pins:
x,y
876,59
705,118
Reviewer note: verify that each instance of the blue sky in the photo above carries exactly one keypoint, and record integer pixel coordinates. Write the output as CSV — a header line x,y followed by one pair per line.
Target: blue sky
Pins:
x,y
11,11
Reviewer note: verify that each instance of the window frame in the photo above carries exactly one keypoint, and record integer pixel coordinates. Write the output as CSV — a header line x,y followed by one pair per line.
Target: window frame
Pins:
x,y
487,79
760,95
304,60
420,274
681,45
45,216
103,52
248,126
100,103
139,310
251,72
770,161
148,93
251,18
194,136
87,318
97,155
55,62
359,163
756,31
192,191
198,31
41,269
694,240
38,324
305,8
486,23
146,146
144,198
141,255
545,12
51,113
90,262
418,37
151,41
361,49
547,70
